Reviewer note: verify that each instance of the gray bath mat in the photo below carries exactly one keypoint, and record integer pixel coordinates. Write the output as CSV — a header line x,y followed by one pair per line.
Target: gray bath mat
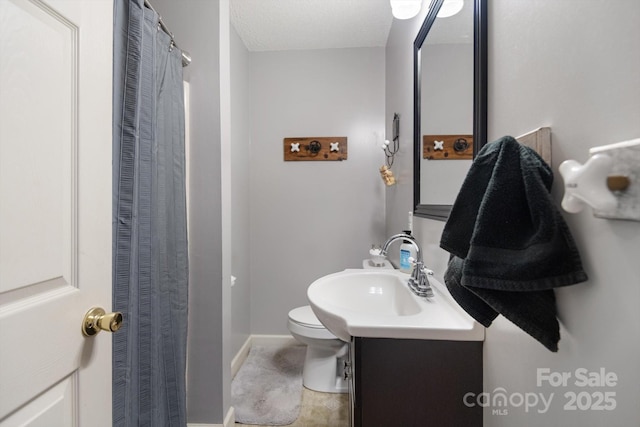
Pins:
x,y
267,390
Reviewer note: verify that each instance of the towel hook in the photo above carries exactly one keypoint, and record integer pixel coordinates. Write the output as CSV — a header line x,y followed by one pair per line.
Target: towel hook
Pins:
x,y
587,184
607,181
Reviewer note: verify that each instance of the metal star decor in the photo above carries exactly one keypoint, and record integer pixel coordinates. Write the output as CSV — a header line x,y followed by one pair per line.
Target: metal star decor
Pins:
x,y
335,146
295,147
438,145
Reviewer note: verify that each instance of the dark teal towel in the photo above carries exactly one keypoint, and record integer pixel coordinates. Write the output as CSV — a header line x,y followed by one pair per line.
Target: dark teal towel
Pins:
x,y
510,245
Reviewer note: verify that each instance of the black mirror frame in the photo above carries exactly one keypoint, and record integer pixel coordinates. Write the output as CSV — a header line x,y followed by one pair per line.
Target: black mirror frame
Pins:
x,y
441,212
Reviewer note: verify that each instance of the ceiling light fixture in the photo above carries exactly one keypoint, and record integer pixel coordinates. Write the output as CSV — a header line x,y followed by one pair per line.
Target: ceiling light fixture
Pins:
x,y
405,9
450,8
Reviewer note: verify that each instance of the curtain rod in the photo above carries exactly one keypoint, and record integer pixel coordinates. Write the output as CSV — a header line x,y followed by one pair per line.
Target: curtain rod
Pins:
x,y
186,57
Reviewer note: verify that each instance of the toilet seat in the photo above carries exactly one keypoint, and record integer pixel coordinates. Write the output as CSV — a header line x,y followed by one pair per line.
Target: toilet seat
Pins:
x,y
302,321
305,316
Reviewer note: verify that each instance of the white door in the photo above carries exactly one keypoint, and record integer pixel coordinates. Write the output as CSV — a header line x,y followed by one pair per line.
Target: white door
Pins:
x,y
55,210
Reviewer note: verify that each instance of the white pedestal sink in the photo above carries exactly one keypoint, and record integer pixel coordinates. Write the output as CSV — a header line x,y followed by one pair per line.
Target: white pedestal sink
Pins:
x,y
379,304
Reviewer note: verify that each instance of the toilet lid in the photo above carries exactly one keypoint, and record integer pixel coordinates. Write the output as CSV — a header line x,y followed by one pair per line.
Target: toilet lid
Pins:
x,y
304,316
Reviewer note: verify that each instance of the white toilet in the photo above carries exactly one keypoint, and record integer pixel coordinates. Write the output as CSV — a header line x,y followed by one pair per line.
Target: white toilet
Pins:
x,y
323,366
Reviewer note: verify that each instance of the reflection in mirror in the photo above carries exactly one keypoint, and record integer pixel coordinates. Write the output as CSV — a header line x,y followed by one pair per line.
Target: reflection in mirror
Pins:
x,y
446,96
450,104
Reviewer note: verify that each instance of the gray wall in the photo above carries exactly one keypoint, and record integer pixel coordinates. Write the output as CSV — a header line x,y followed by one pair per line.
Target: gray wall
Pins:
x,y
399,99
196,26
309,219
571,65
240,192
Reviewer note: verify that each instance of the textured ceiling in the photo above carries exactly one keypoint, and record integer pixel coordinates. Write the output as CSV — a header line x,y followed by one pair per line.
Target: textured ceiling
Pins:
x,y
311,24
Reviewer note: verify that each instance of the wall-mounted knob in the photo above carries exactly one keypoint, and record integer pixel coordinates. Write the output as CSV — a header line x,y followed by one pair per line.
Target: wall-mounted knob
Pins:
x,y
315,146
460,145
587,184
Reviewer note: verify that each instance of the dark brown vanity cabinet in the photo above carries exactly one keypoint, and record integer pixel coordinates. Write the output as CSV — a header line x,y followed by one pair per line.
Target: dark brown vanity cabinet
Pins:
x,y
415,383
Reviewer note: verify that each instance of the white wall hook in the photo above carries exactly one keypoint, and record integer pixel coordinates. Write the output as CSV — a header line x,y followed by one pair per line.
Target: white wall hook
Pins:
x,y
335,146
587,184
295,147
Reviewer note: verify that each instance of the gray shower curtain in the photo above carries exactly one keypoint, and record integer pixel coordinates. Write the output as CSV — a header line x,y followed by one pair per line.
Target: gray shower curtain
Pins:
x,y
150,263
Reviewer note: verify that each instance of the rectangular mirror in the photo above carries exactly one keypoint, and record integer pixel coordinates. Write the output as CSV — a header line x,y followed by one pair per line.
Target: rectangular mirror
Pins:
x,y
450,103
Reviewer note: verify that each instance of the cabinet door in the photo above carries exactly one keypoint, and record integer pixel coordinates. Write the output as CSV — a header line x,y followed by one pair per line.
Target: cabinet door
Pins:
x,y
416,382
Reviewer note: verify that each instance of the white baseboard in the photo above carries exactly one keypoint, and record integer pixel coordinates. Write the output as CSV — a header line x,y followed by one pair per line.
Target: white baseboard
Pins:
x,y
240,357
264,340
279,340
229,421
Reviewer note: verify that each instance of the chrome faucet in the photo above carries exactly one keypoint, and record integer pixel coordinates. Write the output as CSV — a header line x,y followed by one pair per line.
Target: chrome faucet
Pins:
x,y
418,282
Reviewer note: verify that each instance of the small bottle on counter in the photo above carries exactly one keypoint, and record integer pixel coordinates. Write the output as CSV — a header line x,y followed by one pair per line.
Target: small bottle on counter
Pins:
x,y
407,250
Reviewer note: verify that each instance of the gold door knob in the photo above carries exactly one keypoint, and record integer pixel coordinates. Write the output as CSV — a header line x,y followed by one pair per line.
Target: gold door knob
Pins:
x,y
97,320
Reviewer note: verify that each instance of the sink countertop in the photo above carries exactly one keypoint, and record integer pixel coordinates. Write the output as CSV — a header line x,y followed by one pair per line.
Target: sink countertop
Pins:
x,y
378,304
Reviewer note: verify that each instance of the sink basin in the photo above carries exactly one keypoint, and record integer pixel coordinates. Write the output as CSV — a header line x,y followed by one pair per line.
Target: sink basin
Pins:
x,y
382,294
379,304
